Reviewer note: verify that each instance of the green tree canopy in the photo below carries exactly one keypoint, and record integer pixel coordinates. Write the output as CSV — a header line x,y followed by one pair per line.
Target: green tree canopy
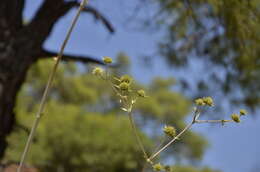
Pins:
x,y
223,35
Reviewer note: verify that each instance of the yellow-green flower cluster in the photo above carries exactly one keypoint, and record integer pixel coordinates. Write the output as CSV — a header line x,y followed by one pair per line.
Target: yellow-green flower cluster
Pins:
x,y
141,93
199,102
126,79
125,82
169,130
235,118
107,60
205,101
97,71
243,112
158,167
124,86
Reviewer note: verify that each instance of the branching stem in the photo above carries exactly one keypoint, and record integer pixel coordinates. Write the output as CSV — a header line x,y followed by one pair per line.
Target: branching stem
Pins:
x,y
170,142
194,120
195,117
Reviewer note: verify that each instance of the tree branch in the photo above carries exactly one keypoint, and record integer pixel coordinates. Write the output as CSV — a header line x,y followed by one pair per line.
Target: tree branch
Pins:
x,y
99,16
69,57
51,11
46,17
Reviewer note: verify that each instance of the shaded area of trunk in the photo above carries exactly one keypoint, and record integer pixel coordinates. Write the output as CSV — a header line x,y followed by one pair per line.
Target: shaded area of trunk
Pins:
x,y
8,91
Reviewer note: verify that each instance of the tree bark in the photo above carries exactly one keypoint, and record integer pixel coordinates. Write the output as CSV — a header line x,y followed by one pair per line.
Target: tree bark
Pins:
x,y
17,53
15,60
9,89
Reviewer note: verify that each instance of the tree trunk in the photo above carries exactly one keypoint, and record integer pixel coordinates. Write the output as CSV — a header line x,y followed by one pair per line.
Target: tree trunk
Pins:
x,y
16,54
9,87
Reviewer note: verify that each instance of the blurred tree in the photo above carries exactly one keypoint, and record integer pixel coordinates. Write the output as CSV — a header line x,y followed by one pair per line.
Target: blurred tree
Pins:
x,y
83,129
21,45
223,35
190,169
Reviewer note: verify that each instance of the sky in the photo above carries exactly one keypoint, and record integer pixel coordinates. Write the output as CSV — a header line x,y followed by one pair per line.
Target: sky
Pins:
x,y
233,148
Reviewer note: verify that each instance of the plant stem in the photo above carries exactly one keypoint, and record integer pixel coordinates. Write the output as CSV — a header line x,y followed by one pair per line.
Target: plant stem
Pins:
x,y
159,145
195,117
170,142
136,134
48,86
213,121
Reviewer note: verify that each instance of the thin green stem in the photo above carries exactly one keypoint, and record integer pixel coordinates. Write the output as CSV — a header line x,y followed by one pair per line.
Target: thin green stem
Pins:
x,y
213,121
170,142
48,86
138,139
156,149
195,117
159,145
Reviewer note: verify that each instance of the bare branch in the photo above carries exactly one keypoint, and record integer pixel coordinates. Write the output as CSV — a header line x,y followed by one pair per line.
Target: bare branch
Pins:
x,y
46,17
213,121
51,11
69,57
99,16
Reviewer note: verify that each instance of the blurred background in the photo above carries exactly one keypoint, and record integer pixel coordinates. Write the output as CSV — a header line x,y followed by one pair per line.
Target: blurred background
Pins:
x,y
175,50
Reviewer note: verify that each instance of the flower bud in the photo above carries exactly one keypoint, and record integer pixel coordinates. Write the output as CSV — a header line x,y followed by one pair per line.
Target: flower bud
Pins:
x,y
199,102
141,93
208,101
157,167
169,130
124,86
243,112
126,78
107,60
235,118
97,71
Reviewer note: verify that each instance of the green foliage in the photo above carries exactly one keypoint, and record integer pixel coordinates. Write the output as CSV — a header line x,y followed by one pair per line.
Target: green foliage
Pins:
x,y
224,34
83,128
71,140
191,169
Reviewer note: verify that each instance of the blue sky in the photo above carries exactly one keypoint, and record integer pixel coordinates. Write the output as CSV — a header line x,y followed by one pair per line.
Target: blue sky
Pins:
x,y
233,148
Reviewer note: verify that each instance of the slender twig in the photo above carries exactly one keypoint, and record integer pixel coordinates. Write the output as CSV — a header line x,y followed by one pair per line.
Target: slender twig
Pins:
x,y
48,86
159,145
129,108
170,142
196,115
138,139
194,120
213,121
